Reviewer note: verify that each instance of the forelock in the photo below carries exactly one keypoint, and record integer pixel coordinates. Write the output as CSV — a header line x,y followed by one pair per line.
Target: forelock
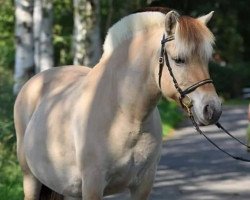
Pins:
x,y
193,37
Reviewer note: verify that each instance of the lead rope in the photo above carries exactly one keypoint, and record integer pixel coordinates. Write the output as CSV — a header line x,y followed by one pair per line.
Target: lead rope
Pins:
x,y
222,128
212,142
186,101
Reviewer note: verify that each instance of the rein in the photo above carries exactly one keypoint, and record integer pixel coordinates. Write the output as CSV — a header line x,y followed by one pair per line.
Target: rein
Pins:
x,y
186,101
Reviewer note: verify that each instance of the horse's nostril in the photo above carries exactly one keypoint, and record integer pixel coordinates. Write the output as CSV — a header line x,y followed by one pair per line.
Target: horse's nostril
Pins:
x,y
208,112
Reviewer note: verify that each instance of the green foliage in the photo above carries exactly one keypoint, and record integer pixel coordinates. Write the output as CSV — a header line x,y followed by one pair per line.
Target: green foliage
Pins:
x,y
7,33
10,176
230,80
236,102
63,31
6,109
171,115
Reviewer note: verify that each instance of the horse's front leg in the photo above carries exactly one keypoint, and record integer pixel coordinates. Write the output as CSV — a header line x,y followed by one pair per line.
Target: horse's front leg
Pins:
x,y
93,184
142,190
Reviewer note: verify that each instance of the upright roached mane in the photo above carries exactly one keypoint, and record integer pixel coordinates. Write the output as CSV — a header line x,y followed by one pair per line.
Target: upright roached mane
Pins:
x,y
130,25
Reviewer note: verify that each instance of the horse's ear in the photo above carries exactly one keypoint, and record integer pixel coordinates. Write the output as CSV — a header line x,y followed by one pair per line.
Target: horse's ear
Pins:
x,y
206,18
170,22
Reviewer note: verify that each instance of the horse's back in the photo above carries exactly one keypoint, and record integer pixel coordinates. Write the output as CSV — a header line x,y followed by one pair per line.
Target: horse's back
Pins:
x,y
57,78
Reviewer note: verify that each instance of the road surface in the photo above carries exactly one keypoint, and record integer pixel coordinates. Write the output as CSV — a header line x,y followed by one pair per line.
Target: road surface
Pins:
x,y
192,169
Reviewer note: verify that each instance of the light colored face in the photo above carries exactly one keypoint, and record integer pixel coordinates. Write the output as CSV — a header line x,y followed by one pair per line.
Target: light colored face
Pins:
x,y
190,66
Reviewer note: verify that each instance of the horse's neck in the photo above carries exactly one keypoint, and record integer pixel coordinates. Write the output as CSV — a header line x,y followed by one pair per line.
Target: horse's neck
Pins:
x,y
133,76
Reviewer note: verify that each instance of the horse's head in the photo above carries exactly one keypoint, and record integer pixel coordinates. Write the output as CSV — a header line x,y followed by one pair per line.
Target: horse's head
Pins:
x,y
188,53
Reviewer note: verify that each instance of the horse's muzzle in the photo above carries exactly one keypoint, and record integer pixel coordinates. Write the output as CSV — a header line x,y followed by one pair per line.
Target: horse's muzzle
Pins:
x,y
211,112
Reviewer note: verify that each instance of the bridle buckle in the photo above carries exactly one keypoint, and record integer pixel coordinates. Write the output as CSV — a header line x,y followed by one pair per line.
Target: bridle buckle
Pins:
x,y
187,103
161,60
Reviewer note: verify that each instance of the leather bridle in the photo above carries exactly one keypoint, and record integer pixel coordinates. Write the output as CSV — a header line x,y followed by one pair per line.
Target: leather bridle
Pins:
x,y
186,101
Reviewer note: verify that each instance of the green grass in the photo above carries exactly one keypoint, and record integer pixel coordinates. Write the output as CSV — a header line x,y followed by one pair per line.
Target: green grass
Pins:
x,y
234,102
10,175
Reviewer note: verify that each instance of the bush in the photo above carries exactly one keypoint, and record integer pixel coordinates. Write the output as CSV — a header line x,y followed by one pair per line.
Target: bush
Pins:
x,y
230,80
10,175
171,115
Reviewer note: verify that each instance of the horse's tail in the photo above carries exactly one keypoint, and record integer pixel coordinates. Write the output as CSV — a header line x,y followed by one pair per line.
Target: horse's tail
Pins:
x,y
48,194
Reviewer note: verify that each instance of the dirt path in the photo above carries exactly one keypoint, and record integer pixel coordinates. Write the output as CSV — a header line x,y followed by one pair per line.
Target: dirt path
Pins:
x,y
192,169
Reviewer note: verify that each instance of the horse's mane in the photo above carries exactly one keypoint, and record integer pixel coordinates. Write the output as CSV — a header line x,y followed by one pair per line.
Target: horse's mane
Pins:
x,y
129,25
191,36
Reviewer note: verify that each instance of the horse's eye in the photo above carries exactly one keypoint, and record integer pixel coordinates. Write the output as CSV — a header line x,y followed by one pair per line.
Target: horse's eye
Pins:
x,y
179,60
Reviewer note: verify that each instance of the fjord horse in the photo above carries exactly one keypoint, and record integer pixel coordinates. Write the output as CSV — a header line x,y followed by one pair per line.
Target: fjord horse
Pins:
x,y
86,133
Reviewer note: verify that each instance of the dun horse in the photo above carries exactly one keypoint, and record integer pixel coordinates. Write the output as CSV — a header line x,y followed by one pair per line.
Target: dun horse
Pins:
x,y
86,133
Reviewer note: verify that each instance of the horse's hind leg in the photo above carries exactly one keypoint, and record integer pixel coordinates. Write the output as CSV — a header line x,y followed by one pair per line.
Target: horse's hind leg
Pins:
x,y
31,187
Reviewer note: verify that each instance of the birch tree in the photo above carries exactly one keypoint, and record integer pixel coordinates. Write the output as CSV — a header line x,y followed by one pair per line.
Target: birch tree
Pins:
x,y
24,57
86,43
43,31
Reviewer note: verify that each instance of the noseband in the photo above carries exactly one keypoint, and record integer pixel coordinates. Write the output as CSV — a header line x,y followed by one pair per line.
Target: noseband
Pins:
x,y
186,101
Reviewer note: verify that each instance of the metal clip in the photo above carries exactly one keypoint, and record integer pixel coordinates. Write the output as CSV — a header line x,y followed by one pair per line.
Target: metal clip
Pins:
x,y
161,60
187,103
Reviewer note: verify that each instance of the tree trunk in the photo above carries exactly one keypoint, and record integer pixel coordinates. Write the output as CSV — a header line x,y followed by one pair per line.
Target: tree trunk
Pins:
x,y
43,31
37,18
24,57
86,44
46,37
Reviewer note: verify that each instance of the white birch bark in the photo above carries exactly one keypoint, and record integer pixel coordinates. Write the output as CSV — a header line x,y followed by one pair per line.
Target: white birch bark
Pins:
x,y
86,43
37,18
43,31
46,37
24,57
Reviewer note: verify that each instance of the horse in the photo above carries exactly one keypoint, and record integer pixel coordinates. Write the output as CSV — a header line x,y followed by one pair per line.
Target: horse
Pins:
x,y
87,133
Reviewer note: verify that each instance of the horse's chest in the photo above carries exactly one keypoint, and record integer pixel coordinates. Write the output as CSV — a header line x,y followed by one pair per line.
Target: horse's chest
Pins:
x,y
134,163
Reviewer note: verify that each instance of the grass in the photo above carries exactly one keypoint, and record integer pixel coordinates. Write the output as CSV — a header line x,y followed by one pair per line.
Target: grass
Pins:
x,y
10,173
10,176
238,102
